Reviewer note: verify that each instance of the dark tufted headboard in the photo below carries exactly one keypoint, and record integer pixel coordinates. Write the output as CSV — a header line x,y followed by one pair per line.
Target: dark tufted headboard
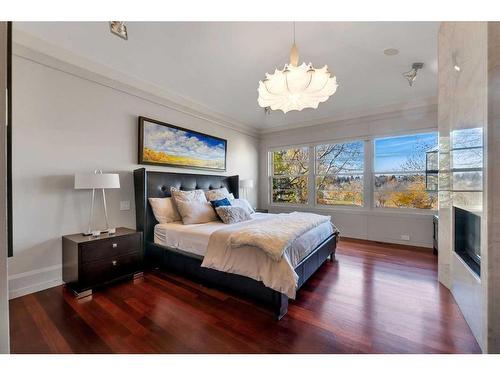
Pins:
x,y
149,184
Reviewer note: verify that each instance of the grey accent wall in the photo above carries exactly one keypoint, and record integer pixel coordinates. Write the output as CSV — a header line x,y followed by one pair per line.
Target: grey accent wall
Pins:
x,y
70,121
364,223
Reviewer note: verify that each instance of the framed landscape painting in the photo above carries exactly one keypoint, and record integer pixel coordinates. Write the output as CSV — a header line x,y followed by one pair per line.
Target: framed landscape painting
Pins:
x,y
164,144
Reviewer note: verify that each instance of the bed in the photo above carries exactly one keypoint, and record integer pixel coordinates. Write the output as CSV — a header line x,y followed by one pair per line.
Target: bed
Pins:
x,y
181,249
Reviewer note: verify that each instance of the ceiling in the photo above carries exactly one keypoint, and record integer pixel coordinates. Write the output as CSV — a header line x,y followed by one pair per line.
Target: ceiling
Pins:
x,y
219,64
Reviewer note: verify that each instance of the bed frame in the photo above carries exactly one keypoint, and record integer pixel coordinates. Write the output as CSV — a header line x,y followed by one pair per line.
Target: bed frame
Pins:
x,y
150,184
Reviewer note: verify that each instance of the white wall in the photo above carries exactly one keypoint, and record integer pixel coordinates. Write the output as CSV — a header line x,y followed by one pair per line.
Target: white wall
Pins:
x,y
71,120
4,303
365,223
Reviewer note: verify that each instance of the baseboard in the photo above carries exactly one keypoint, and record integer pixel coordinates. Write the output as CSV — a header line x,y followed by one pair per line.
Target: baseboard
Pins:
x,y
397,245
403,243
24,283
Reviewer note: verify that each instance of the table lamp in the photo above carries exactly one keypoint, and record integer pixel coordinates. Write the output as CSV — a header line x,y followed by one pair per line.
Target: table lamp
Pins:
x,y
97,180
245,185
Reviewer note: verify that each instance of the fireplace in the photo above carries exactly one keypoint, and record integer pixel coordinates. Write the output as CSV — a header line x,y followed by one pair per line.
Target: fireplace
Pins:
x,y
468,238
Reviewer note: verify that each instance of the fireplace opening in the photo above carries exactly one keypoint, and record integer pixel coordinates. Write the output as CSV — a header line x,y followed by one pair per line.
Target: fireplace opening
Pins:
x,y
468,238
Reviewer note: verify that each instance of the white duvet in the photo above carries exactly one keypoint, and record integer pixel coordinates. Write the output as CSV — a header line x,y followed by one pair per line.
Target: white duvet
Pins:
x,y
209,241
275,234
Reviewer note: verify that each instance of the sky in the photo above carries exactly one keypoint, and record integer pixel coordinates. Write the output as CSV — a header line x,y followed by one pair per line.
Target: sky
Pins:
x,y
392,153
181,143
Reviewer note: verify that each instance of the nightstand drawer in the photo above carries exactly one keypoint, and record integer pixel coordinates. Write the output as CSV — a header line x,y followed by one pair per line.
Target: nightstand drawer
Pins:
x,y
109,269
109,247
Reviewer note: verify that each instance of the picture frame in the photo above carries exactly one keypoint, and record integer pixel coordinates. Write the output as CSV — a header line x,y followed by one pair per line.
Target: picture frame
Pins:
x,y
169,145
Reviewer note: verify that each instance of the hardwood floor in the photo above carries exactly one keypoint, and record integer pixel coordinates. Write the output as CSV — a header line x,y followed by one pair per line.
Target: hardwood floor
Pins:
x,y
374,299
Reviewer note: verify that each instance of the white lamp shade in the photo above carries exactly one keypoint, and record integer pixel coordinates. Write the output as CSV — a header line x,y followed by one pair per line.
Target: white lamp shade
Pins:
x,y
97,181
246,184
296,87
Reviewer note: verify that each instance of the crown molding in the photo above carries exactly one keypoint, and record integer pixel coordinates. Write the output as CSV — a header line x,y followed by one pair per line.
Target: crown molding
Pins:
x,y
416,108
37,50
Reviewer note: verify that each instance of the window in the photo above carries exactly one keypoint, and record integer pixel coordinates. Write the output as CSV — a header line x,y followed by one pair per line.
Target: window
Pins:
x,y
467,166
399,172
339,173
431,169
290,170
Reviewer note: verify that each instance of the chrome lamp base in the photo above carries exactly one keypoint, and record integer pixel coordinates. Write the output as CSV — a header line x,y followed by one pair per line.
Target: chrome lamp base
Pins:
x,y
93,232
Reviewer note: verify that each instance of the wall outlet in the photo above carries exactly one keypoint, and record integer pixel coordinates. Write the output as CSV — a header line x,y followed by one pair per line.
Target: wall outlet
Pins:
x,y
405,237
124,205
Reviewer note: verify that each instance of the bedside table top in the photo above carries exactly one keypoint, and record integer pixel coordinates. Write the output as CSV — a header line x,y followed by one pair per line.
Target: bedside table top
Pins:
x,y
80,238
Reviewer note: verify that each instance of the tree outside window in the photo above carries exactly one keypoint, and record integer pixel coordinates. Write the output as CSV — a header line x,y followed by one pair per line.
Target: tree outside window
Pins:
x,y
339,174
290,169
400,171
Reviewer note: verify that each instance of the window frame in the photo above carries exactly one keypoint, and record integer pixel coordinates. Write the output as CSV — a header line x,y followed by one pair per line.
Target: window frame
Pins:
x,y
374,173
457,169
272,175
368,173
466,169
363,173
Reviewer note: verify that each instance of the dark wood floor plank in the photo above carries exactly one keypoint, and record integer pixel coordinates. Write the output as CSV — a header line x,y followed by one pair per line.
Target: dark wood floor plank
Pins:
x,y
25,337
376,298
72,327
51,335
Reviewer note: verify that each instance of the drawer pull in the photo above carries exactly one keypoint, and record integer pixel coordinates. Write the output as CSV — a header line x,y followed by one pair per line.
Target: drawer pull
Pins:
x,y
114,262
115,245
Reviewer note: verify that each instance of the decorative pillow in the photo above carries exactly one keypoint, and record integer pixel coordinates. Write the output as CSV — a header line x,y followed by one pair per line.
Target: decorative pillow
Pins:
x,y
232,214
243,203
196,212
164,210
216,194
188,195
220,202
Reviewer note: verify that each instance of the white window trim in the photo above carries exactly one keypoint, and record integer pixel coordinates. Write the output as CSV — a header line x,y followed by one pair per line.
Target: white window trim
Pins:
x,y
272,175
373,173
368,175
314,191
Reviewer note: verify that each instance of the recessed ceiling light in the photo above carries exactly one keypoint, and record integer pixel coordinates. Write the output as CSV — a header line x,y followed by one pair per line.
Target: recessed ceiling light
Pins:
x,y
391,51
456,67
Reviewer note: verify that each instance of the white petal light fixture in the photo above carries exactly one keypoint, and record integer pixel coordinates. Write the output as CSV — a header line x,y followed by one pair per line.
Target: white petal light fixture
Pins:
x,y
296,86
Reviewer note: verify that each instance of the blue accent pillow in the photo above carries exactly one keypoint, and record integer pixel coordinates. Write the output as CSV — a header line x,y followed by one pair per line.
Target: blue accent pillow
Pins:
x,y
220,203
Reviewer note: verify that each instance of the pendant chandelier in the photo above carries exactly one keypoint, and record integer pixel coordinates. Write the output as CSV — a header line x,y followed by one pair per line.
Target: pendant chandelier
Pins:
x,y
296,86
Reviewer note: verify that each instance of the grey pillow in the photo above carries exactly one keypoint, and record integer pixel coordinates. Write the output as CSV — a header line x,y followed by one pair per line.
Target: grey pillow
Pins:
x,y
232,214
243,203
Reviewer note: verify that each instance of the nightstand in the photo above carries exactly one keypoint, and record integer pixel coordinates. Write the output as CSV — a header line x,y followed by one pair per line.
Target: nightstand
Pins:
x,y
90,262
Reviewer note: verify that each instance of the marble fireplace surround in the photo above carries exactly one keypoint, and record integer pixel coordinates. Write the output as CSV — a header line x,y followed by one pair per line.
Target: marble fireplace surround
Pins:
x,y
470,98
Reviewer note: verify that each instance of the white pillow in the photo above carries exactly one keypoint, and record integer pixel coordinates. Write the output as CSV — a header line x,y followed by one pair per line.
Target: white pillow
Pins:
x,y
243,203
196,212
188,195
232,214
164,210
216,194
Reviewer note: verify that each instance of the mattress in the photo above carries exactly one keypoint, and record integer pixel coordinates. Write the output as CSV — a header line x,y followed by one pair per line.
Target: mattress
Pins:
x,y
194,238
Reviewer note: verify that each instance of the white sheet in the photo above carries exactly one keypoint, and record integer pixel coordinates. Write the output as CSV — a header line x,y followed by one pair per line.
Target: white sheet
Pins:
x,y
194,238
